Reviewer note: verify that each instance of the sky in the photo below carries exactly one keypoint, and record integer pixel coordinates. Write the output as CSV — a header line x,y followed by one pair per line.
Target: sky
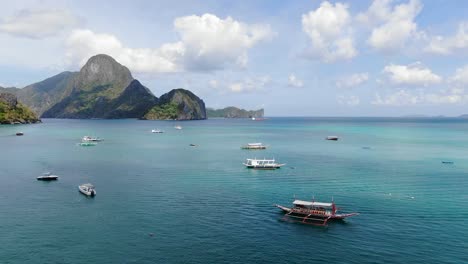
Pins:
x,y
292,58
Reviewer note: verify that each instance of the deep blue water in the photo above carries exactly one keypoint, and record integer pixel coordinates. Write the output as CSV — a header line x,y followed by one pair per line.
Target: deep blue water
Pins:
x,y
203,206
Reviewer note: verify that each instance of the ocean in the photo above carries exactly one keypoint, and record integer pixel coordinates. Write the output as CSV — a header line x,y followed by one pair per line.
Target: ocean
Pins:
x,y
160,200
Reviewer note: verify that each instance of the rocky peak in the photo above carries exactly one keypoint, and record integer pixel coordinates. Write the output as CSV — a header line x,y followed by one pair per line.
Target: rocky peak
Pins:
x,y
103,70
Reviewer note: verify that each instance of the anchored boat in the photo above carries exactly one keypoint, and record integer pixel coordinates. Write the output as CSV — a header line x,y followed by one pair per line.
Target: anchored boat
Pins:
x,y
157,131
87,189
47,177
265,164
254,146
91,139
335,138
315,213
178,127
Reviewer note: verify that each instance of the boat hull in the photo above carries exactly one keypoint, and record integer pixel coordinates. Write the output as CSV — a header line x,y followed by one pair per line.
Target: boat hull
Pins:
x,y
263,167
47,178
310,218
87,193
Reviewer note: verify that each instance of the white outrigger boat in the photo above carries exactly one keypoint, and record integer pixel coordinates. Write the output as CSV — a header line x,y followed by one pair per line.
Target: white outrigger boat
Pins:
x,y
87,189
312,212
91,139
157,131
265,164
254,146
47,176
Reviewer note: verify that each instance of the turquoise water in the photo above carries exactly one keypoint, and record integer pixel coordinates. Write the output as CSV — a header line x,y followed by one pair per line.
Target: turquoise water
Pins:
x,y
203,206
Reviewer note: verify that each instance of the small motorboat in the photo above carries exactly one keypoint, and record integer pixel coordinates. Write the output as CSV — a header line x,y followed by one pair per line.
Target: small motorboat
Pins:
x,y
47,177
447,162
335,138
193,145
157,131
263,164
87,189
19,133
178,127
91,139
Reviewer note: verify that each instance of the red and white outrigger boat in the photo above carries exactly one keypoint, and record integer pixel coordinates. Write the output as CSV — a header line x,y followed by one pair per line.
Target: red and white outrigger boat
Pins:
x,y
316,213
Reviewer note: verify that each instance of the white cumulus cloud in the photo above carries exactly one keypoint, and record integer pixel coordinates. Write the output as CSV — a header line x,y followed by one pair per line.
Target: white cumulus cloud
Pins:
x,y
206,43
82,44
249,84
413,74
36,24
329,32
293,81
352,80
420,97
393,25
451,44
461,76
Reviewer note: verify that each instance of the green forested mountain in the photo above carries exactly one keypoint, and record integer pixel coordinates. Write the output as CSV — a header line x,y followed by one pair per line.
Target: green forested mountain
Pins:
x,y
104,88
178,104
12,112
233,112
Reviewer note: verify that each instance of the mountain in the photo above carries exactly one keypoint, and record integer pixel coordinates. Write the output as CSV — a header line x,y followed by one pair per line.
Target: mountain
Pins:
x,y
42,95
177,104
233,112
134,102
13,112
102,89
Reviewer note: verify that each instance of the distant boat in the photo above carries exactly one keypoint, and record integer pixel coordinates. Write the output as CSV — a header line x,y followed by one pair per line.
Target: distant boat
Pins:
x,y
254,146
87,189
316,213
178,127
87,144
47,177
19,133
447,162
157,131
265,164
335,138
258,119
193,145
91,139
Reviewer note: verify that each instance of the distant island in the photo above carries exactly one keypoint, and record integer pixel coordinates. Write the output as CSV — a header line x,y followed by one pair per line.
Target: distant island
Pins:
x,y
104,88
12,112
233,112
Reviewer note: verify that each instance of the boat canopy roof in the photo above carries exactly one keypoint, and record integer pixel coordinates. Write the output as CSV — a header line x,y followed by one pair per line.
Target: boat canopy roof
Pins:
x,y
262,160
89,185
308,203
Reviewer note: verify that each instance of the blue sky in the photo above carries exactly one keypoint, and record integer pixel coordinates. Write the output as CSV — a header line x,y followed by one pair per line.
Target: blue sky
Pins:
x,y
294,58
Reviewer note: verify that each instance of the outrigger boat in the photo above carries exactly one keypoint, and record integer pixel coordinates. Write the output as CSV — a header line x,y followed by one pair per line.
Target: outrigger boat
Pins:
x,y
91,139
265,164
315,213
254,146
